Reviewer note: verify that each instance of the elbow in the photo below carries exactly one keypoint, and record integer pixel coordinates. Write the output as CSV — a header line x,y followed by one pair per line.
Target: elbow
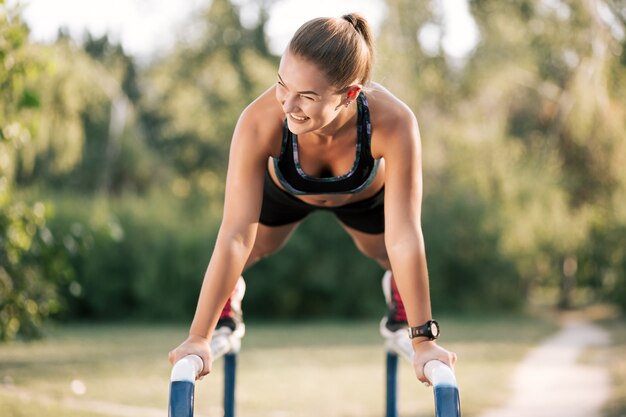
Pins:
x,y
405,244
236,242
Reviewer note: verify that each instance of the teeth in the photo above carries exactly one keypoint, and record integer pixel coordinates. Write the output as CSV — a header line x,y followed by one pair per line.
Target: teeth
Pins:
x,y
301,119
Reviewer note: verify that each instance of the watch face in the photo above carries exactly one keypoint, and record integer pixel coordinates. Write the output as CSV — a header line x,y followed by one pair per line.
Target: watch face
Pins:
x,y
434,328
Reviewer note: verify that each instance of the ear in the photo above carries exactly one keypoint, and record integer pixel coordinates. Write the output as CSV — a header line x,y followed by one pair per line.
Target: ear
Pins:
x,y
353,92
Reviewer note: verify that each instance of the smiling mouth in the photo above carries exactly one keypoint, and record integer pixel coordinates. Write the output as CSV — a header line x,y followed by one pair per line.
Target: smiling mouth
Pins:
x,y
298,118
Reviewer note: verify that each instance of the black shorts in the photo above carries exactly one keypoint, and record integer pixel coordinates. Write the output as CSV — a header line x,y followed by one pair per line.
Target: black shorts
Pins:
x,y
281,208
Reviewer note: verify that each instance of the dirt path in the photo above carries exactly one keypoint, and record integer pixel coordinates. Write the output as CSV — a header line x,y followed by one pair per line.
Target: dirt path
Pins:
x,y
551,381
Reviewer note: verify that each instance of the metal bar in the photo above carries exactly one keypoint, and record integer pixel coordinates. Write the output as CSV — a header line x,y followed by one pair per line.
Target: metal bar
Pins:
x,y
446,390
230,367
392,385
182,382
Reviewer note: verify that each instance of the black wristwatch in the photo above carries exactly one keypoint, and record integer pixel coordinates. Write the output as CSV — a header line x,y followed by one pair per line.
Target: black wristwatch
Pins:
x,y
430,330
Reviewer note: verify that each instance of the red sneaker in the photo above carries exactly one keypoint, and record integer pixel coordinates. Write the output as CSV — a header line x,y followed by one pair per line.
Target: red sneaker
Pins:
x,y
232,316
396,316
393,326
230,328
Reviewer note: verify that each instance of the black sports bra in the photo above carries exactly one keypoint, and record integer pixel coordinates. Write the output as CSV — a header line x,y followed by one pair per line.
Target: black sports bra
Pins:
x,y
292,177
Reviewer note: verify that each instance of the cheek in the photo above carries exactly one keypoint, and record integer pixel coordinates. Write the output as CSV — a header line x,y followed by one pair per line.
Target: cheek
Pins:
x,y
326,113
330,112
280,96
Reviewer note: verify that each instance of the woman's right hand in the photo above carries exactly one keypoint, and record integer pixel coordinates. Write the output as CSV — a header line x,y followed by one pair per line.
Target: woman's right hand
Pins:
x,y
194,345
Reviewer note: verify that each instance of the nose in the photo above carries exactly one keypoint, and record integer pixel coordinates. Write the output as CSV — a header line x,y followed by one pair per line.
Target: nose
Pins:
x,y
290,103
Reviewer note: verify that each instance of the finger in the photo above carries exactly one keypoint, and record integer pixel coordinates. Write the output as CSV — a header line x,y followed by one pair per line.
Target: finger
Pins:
x,y
419,372
424,380
452,359
206,369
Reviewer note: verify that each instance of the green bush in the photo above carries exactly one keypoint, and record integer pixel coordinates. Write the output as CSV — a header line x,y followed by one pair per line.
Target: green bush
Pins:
x,y
33,263
144,262
319,273
602,263
467,269
139,258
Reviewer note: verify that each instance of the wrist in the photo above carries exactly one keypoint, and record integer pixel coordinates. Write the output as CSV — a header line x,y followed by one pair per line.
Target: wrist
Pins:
x,y
420,343
198,336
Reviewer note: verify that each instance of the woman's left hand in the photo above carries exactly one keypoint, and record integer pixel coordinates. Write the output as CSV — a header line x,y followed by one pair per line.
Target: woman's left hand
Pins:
x,y
426,351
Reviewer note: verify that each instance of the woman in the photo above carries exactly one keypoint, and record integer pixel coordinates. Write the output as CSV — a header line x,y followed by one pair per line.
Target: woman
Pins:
x,y
324,138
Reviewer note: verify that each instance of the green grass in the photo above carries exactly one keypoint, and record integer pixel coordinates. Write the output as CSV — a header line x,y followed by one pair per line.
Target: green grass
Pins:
x,y
308,369
12,407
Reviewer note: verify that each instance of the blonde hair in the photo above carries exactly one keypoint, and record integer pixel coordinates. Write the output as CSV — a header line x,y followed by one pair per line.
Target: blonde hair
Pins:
x,y
342,48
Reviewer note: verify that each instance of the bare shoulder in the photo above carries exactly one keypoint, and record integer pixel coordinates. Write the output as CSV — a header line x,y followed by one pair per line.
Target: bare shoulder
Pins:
x,y
393,122
388,111
261,122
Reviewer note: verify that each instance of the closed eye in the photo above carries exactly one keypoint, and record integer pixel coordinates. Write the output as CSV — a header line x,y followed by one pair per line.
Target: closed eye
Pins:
x,y
310,95
280,83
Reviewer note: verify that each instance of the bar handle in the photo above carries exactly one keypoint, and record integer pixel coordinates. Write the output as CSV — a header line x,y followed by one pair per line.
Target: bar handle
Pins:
x,y
438,373
447,402
187,369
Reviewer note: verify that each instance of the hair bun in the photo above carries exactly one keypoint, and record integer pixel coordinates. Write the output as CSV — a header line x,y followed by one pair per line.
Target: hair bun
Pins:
x,y
350,18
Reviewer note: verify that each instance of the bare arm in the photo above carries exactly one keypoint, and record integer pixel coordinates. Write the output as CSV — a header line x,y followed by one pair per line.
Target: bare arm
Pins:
x,y
250,148
242,205
403,233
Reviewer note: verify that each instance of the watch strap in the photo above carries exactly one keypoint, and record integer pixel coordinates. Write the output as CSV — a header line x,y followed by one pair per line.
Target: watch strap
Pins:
x,y
425,330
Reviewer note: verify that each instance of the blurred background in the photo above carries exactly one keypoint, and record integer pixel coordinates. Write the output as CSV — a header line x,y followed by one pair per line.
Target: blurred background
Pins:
x,y
115,124
112,162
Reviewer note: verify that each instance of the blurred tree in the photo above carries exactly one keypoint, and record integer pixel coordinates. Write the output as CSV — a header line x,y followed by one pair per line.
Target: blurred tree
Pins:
x,y
562,107
403,61
532,123
98,86
523,161
32,261
195,95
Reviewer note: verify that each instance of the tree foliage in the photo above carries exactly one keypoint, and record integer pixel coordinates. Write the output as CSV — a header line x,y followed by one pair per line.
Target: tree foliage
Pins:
x,y
197,93
532,124
32,260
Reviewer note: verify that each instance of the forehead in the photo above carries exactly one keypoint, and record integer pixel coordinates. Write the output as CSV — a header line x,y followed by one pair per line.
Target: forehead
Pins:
x,y
302,75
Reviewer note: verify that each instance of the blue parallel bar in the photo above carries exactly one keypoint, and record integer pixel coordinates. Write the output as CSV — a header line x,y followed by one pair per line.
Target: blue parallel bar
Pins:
x,y
392,385
181,399
447,403
230,366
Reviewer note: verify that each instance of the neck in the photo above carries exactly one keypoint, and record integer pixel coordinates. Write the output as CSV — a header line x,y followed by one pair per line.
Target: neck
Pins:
x,y
344,120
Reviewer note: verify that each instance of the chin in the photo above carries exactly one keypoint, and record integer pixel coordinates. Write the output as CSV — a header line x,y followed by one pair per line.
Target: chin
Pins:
x,y
299,128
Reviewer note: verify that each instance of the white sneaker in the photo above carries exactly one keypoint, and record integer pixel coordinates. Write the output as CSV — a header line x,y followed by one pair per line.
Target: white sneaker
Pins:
x,y
230,327
397,342
393,327
225,341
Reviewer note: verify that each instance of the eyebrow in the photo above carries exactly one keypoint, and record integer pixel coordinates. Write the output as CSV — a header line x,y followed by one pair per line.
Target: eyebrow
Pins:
x,y
300,92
